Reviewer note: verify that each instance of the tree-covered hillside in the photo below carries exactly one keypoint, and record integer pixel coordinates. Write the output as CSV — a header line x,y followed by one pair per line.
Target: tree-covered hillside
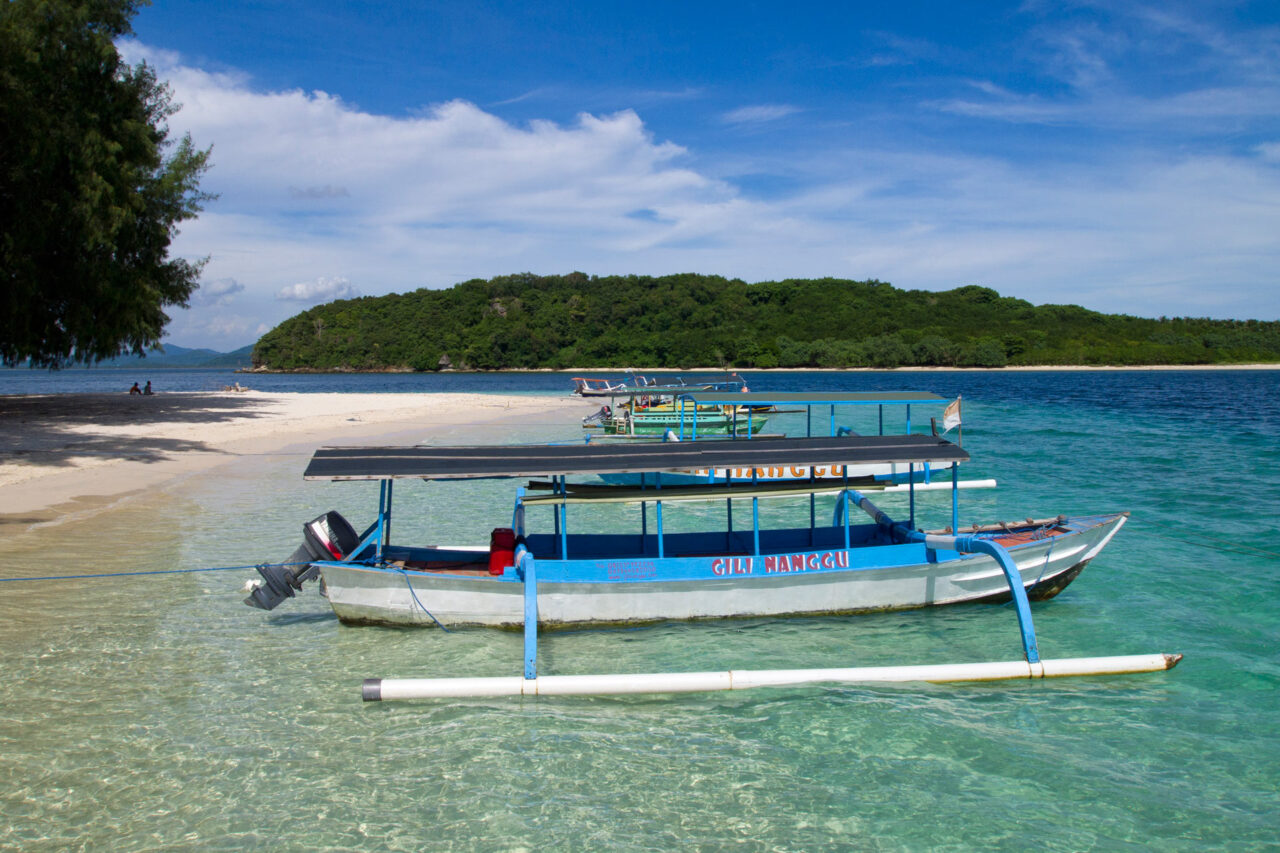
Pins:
x,y
529,321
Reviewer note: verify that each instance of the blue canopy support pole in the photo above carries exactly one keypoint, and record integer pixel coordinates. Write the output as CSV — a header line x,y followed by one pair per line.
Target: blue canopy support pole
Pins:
x,y
833,420
813,508
658,511
728,510
755,516
755,526
881,408
563,516
644,521
844,500
908,418
555,510
911,495
528,573
845,495
955,498
386,532
808,421
382,517
517,514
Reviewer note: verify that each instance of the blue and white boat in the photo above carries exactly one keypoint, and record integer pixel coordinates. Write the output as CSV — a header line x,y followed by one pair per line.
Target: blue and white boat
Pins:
x,y
536,574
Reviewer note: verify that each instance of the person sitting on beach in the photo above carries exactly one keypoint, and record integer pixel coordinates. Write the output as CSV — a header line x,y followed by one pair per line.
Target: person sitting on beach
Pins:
x,y
147,391
135,390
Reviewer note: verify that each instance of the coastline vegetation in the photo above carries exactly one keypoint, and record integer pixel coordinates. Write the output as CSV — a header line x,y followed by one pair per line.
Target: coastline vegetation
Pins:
x,y
528,321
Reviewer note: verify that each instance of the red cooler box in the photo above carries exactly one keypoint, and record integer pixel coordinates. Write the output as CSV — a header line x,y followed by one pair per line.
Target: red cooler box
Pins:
x,y
502,549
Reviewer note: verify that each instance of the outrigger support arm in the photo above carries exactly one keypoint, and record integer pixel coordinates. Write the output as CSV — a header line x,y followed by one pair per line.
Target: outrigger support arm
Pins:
x,y
528,572
965,544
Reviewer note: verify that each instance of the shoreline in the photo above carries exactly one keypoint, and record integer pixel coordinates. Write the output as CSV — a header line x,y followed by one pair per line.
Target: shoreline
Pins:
x,y
71,455
1020,368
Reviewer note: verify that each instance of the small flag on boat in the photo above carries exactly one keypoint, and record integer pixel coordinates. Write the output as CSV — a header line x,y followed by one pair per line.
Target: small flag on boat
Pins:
x,y
951,416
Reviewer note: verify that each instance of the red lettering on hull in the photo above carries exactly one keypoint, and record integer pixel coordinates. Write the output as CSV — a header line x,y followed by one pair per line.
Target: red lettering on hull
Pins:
x,y
800,562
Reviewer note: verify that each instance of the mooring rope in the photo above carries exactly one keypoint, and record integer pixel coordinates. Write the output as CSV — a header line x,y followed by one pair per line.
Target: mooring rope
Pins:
x,y
409,583
154,572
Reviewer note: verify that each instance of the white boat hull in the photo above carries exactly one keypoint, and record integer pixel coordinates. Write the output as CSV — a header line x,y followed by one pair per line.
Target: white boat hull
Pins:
x,y
645,589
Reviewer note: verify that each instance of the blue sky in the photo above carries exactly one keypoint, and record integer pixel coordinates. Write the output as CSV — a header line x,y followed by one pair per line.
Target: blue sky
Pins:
x,y
1120,156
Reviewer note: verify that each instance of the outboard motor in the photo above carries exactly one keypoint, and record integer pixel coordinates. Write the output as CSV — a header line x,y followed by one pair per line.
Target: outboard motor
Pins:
x,y
598,417
327,537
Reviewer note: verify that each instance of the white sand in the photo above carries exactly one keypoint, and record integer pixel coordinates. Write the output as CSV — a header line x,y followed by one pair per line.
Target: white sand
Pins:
x,y
68,453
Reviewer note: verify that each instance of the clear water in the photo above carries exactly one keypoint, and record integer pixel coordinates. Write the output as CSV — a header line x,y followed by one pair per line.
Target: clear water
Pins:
x,y
160,713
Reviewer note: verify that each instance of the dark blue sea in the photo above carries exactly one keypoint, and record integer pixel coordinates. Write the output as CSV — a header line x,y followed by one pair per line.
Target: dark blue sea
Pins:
x,y
160,713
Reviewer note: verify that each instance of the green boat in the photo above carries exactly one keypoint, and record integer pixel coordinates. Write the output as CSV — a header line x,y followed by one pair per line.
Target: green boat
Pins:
x,y
685,421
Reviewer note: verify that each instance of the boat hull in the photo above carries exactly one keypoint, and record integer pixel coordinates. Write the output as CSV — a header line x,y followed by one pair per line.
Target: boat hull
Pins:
x,y
639,589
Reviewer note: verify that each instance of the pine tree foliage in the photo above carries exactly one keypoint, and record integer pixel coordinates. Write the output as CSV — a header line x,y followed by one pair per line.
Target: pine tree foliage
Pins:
x,y
91,187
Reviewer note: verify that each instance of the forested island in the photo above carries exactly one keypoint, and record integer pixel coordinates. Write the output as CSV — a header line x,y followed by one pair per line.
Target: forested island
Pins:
x,y
683,321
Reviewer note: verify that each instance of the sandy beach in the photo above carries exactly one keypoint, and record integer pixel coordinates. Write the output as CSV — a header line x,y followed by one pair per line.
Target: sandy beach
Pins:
x,y
69,454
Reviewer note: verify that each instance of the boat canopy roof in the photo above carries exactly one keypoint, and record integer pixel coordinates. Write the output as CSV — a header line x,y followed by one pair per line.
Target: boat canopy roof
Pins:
x,y
474,462
652,390
812,398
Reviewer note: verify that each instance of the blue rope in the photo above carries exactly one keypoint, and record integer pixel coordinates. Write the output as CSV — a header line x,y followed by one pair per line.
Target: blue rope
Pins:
x,y
156,572
409,584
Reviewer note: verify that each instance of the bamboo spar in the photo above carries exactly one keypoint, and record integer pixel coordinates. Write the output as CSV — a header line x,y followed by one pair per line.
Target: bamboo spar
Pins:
x,y
388,689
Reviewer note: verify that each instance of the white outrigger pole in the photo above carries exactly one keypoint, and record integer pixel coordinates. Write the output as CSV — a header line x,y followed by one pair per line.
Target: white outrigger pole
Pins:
x,y
531,684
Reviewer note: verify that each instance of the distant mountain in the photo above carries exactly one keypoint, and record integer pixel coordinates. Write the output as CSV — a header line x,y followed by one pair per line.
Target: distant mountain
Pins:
x,y
242,357
176,356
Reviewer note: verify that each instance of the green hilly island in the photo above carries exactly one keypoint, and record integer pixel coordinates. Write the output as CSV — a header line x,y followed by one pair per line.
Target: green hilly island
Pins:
x,y
681,321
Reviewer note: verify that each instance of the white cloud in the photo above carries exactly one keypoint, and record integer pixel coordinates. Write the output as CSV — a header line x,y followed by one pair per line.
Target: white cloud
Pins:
x,y
320,290
309,184
217,292
759,113
1269,151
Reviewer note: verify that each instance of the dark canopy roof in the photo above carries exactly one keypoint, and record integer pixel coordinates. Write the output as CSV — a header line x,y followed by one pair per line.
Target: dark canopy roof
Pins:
x,y
445,463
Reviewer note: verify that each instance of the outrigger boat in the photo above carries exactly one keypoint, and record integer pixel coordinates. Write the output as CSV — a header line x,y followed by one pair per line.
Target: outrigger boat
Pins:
x,y
655,421
653,413
533,580
692,406
594,387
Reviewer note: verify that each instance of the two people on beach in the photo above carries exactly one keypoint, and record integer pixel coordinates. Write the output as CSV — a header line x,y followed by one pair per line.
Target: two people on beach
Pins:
x,y
144,391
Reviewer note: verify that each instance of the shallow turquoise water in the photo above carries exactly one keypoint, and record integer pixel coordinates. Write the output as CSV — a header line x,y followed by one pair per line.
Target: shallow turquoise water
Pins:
x,y
161,713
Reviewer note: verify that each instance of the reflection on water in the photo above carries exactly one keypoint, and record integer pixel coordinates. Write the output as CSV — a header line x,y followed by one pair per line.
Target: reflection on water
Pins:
x,y
144,713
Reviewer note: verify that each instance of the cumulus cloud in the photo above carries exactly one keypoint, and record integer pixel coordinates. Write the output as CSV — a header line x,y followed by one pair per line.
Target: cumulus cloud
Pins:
x,y
456,192
217,292
320,290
